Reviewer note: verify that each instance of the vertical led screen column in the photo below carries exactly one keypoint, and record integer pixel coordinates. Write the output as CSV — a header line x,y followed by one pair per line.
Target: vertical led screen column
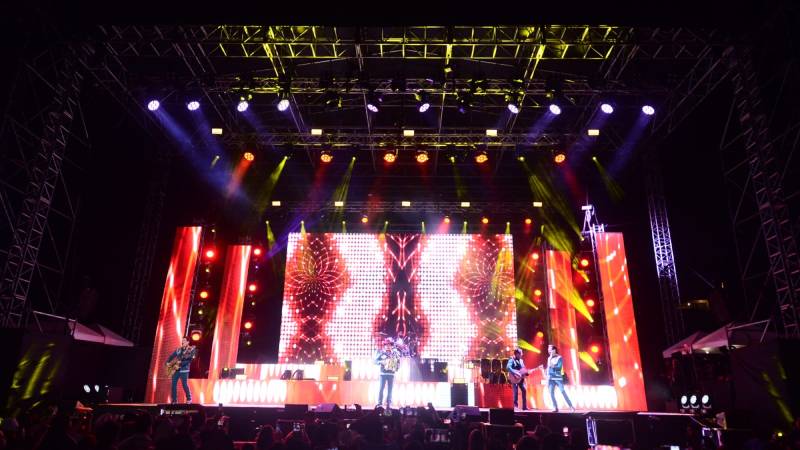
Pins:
x,y
174,309
229,313
626,364
444,296
561,302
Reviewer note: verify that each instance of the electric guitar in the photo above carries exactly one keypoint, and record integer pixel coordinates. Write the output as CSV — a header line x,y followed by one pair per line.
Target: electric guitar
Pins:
x,y
173,366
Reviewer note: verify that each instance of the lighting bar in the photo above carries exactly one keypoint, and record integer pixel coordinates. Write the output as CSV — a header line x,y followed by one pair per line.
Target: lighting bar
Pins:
x,y
338,203
491,132
537,204
216,131
405,203
408,133
465,204
316,131
593,132
276,203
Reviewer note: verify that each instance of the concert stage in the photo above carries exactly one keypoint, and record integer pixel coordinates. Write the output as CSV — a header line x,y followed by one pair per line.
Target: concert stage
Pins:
x,y
647,429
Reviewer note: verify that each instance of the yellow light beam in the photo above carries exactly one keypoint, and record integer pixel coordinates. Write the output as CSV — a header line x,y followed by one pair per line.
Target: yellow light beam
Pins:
x,y
586,358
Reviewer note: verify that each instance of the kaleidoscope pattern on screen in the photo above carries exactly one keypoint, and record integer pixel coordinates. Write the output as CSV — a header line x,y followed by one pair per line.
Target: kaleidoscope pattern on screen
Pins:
x,y
441,296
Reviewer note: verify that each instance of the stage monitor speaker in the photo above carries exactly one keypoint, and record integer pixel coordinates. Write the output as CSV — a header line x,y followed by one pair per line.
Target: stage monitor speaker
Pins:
x,y
327,408
348,370
466,413
501,416
614,432
291,411
458,394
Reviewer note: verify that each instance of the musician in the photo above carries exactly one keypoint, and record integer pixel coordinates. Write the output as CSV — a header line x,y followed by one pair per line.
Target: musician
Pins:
x,y
517,367
554,373
184,354
389,360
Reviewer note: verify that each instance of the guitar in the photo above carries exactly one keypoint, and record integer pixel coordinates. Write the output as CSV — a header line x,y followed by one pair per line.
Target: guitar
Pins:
x,y
173,366
513,378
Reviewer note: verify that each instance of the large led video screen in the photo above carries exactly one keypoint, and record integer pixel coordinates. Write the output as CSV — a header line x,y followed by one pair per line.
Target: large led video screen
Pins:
x,y
448,297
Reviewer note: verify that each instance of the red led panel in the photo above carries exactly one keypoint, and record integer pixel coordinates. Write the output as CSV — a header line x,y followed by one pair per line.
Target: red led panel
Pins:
x,y
562,313
229,313
623,341
450,297
174,310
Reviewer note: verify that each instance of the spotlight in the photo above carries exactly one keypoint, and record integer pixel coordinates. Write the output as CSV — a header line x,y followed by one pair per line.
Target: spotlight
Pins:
x,y
513,103
464,102
481,157
249,156
193,105
607,108
446,219
153,105
96,388
204,294
210,253
590,303
560,158
257,251
283,104
364,219
326,156
537,292
252,287
423,101
535,255
86,388
584,262
705,401
390,157
373,101
485,220
594,349
693,401
555,109
649,110
422,156
248,325
242,106
684,401
195,335
528,221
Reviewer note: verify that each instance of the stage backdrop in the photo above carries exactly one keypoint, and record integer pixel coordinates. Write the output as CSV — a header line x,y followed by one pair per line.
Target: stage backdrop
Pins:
x,y
442,296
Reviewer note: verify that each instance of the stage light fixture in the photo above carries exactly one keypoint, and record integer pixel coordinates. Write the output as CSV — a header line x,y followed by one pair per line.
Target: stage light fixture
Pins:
x,y
521,158
491,132
408,133
535,255
465,204
705,401
257,251
590,303
364,219
537,204
584,262
86,388
210,253
316,131
204,294
390,157
338,203
252,287
193,105
464,102
649,110
374,101
484,220
242,106
249,156
607,108
684,402
195,335
405,203
153,105
513,102
537,292
446,220
422,156
593,132
199,312
554,109
423,101
216,131
248,325
693,401
276,203
560,158
481,157
326,156
528,221
594,349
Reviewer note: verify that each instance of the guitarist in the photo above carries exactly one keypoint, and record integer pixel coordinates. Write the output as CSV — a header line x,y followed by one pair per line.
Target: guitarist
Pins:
x,y
516,369
180,360
389,360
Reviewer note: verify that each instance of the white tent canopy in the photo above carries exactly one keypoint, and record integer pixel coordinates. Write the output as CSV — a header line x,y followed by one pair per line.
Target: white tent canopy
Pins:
x,y
79,331
732,335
